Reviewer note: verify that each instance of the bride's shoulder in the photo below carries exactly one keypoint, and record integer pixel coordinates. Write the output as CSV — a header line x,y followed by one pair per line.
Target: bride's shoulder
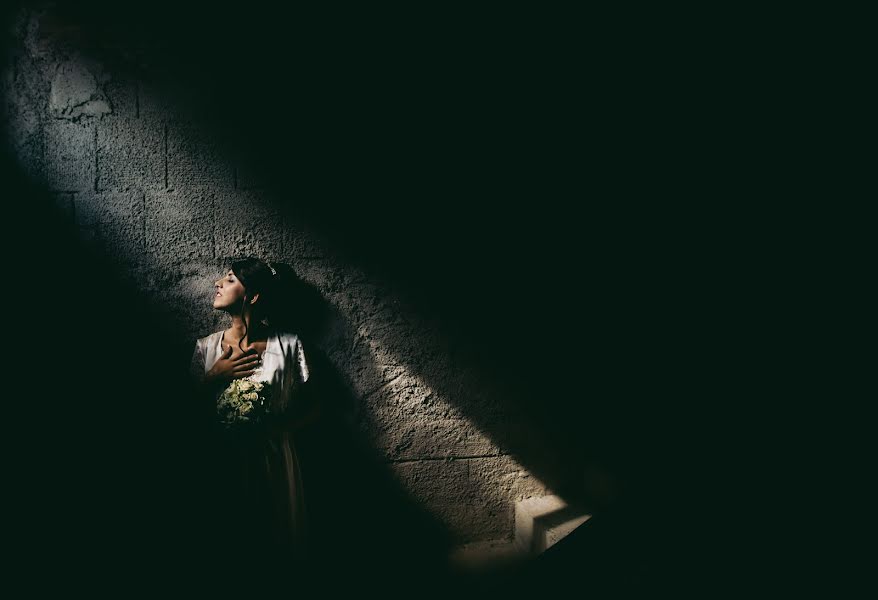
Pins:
x,y
288,337
290,340
210,337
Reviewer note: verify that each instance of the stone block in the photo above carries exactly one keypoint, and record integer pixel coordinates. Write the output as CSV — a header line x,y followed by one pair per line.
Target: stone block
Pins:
x,y
472,521
502,477
247,224
435,481
76,90
193,290
300,242
121,94
185,288
412,439
130,154
402,396
118,217
479,444
22,116
69,156
27,150
445,488
196,159
160,100
179,224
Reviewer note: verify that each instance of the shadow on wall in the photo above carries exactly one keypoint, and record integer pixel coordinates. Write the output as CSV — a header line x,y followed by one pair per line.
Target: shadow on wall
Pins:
x,y
112,450
362,517
108,449
596,297
400,197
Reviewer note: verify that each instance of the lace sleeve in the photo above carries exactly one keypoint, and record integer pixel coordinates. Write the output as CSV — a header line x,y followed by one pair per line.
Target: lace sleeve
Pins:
x,y
299,399
302,370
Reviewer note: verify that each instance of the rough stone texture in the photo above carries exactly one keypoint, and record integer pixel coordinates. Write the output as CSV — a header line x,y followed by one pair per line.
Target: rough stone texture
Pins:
x,y
503,477
441,486
247,224
419,437
130,154
24,110
195,159
155,102
119,219
475,496
179,224
140,178
300,243
76,91
122,94
69,155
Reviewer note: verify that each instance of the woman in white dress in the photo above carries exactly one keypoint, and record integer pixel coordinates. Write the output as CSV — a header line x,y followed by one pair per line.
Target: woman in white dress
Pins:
x,y
260,476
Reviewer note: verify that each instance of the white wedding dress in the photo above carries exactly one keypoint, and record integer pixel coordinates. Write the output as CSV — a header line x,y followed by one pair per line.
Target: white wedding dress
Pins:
x,y
265,474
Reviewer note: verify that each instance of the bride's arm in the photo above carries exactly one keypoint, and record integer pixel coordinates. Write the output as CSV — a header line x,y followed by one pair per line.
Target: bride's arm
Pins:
x,y
303,406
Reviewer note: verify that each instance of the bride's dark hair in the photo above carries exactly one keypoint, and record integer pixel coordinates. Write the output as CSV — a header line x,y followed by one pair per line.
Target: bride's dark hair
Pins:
x,y
275,283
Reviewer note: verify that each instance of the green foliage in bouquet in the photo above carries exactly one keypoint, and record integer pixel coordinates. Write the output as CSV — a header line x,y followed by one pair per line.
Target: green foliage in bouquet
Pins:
x,y
244,403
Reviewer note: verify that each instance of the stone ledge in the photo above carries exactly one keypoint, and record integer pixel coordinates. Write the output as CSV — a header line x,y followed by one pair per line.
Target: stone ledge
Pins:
x,y
542,522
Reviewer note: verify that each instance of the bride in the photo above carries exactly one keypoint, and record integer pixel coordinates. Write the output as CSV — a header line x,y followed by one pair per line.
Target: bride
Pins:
x,y
260,477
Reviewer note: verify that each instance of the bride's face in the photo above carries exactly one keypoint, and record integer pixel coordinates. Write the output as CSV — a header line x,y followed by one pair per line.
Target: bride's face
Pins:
x,y
229,291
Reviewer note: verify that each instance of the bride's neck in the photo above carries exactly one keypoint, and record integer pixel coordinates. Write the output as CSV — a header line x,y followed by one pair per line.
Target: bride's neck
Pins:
x,y
257,331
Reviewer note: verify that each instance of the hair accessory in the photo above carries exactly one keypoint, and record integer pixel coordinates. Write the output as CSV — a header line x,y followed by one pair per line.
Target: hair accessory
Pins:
x,y
273,272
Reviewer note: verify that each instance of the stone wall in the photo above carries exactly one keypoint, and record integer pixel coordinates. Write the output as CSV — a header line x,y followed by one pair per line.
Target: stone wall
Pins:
x,y
171,200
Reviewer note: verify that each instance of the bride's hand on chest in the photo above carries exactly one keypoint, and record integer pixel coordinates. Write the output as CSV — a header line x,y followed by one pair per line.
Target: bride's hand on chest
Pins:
x,y
233,364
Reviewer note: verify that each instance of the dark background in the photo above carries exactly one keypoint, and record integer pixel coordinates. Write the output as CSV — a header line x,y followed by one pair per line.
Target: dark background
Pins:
x,y
564,177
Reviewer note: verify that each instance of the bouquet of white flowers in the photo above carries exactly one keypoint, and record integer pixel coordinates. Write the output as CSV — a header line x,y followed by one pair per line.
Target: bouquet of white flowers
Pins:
x,y
244,402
